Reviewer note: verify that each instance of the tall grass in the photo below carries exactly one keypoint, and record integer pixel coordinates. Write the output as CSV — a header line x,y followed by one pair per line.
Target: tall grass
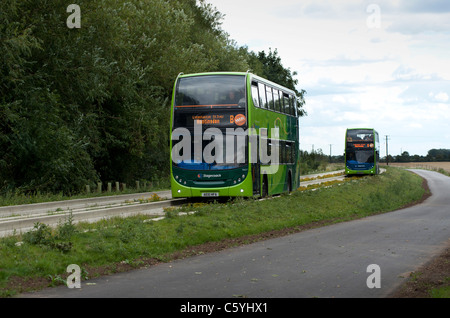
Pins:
x,y
18,197
132,240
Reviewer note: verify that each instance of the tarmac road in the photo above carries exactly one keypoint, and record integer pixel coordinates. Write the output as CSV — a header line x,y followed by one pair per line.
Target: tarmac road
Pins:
x,y
331,261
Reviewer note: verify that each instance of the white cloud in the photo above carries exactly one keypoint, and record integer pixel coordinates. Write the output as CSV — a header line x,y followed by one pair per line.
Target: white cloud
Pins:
x,y
420,23
439,97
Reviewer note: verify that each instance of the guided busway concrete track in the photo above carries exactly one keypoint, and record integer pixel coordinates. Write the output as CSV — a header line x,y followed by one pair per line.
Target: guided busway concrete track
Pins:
x,y
21,218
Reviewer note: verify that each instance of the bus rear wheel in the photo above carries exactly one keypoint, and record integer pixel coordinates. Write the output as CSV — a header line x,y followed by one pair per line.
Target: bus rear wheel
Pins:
x,y
289,183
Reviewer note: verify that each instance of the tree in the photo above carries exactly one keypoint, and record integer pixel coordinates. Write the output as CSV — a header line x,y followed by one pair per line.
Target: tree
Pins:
x,y
438,155
271,68
404,157
90,104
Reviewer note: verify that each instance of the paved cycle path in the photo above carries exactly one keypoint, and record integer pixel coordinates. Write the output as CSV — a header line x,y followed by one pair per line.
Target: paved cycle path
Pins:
x,y
332,261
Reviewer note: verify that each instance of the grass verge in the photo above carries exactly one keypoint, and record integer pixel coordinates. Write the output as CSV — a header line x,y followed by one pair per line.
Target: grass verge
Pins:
x,y
40,257
18,197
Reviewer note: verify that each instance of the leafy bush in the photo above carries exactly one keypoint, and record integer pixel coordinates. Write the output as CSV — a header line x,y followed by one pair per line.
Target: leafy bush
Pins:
x,y
40,235
43,235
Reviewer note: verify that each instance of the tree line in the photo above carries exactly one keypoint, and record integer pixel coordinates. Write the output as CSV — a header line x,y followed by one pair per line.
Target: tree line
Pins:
x,y
317,160
433,155
89,104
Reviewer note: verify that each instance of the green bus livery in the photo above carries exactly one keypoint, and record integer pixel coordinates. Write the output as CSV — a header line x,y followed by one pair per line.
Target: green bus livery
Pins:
x,y
362,151
232,134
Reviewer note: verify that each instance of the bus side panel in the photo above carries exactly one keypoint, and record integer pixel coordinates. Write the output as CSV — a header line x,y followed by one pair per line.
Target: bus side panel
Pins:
x,y
277,176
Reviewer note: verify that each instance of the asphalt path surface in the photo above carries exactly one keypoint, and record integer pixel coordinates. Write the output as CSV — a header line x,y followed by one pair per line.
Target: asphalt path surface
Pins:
x,y
331,261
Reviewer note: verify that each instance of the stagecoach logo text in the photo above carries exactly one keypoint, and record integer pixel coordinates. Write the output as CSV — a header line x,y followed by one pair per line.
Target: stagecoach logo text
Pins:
x,y
203,175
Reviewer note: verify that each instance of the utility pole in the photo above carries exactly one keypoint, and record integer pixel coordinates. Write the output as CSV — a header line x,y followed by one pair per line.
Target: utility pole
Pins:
x,y
330,152
387,153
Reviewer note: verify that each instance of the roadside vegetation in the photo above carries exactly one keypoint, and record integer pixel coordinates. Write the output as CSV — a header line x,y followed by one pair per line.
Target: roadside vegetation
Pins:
x,y
317,162
432,280
18,197
39,258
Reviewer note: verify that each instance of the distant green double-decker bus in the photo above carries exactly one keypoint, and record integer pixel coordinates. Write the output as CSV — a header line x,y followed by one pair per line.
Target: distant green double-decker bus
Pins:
x,y
232,134
362,151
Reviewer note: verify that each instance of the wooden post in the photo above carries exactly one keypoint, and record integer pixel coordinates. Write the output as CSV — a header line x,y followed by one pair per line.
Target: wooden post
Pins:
x,y
99,187
88,189
109,186
117,186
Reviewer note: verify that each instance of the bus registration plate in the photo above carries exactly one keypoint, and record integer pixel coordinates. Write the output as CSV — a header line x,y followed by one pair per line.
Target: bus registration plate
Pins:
x,y
210,194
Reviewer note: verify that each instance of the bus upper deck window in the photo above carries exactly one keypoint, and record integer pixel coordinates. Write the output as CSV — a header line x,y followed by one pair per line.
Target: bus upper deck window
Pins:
x,y
255,94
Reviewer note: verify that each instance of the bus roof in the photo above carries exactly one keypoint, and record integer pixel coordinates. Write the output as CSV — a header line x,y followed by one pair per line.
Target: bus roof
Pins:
x,y
212,73
252,76
361,129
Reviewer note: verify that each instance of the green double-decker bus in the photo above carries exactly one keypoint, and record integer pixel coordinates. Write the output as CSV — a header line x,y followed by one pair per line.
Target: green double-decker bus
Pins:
x,y
362,151
232,134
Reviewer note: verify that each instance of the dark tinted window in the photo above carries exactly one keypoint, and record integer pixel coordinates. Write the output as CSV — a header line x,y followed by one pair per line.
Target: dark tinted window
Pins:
x,y
262,95
269,97
359,135
255,94
226,91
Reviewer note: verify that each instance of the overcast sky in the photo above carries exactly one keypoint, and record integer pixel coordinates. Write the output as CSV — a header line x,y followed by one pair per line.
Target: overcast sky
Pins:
x,y
380,64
